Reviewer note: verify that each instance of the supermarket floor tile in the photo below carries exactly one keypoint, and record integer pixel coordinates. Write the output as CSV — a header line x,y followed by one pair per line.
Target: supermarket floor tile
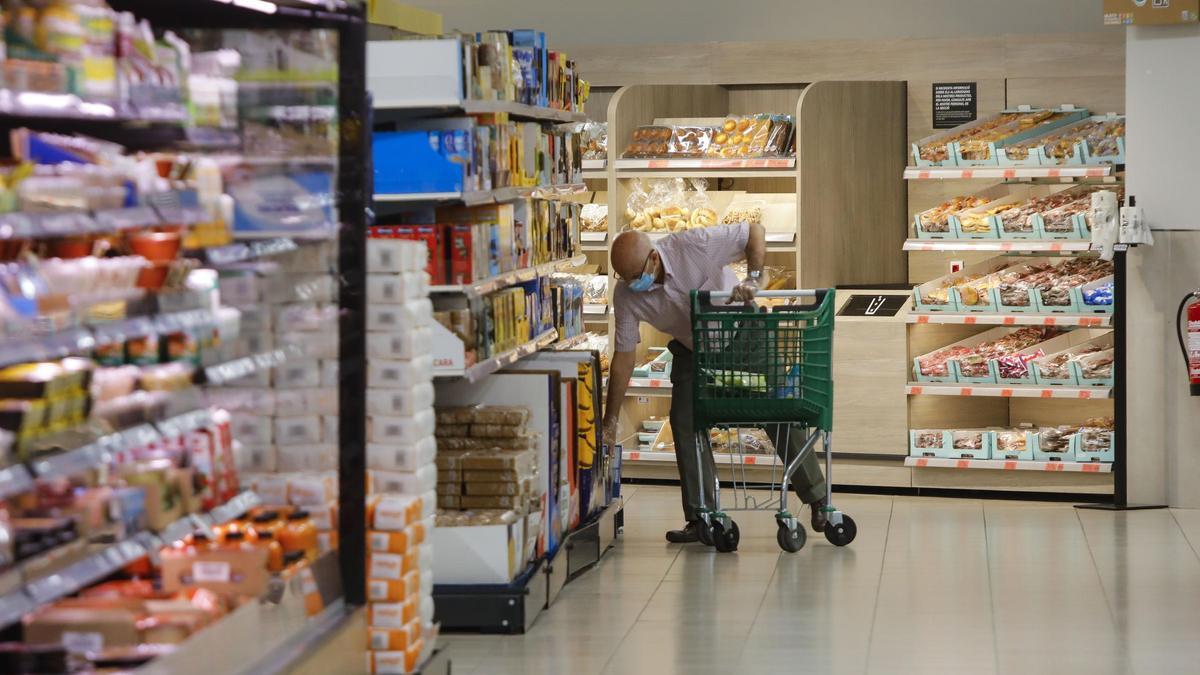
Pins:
x,y
930,586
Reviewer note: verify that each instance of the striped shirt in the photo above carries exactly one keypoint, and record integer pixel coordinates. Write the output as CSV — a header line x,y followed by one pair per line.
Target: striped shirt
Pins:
x,y
692,260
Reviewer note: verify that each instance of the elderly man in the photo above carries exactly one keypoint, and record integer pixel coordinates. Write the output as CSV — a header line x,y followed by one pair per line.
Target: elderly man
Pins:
x,y
654,285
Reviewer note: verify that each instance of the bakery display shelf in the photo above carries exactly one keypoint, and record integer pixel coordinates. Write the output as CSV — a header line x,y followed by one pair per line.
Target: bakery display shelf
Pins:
x,y
591,174
491,365
1083,320
479,197
594,164
1007,391
1008,465
485,286
103,561
1002,245
593,237
643,386
570,343
1007,172
767,167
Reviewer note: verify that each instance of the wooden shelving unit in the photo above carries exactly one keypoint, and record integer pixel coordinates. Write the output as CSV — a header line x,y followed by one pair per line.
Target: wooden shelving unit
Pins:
x,y
844,182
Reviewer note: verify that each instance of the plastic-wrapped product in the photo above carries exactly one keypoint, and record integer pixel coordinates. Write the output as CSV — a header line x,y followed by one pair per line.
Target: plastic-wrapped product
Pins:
x,y
1055,439
928,438
689,141
649,141
1100,295
594,140
1097,366
1011,440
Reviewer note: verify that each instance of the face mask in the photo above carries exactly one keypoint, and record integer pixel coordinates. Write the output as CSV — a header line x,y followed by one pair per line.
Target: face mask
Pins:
x,y
642,283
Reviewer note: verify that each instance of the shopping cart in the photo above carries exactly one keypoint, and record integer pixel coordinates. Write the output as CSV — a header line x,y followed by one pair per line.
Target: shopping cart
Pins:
x,y
764,367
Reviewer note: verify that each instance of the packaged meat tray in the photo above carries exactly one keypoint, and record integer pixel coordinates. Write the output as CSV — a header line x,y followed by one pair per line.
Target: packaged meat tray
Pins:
x,y
1099,139
972,144
929,443
1054,444
1013,444
1055,368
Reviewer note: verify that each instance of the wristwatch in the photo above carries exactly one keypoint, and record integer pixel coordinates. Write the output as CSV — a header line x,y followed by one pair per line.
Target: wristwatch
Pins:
x,y
754,275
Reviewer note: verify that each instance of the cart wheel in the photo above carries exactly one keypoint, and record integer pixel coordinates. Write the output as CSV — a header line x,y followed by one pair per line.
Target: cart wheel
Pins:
x,y
791,540
704,530
842,533
726,541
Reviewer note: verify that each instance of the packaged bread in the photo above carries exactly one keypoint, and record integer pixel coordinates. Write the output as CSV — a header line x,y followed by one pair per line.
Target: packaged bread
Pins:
x,y
689,141
483,475
455,415
496,431
452,430
520,462
520,441
508,415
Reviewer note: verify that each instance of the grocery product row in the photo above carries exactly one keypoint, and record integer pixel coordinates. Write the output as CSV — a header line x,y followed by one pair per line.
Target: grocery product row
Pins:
x,y
1027,136
1012,285
763,135
1023,356
678,204
475,243
1091,441
1016,212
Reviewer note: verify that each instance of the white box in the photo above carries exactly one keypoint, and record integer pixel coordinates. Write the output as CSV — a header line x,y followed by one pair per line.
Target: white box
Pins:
x,y
259,379
257,342
322,401
330,430
386,374
428,506
388,566
403,482
415,73
396,288
305,316
401,430
400,402
251,429
292,402
321,344
312,489
485,554
302,288
403,345
272,489
399,317
329,373
240,288
315,457
390,255
254,401
389,457
304,430
298,375
314,257
255,458
259,319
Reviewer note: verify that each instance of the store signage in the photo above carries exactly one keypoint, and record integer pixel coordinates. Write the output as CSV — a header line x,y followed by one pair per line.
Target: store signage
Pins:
x,y
954,103
873,305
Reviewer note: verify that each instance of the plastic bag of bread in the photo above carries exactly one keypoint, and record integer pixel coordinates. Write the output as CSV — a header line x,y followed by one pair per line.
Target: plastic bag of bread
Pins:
x,y
509,415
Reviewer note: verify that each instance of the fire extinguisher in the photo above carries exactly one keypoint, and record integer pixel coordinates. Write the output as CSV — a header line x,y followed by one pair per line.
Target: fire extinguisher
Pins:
x,y
1190,347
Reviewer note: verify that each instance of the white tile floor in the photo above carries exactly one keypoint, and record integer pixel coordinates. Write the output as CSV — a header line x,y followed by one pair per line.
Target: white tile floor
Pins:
x,y
930,586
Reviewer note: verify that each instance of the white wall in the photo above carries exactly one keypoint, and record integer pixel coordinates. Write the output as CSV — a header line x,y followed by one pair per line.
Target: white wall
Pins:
x,y
573,22
1162,94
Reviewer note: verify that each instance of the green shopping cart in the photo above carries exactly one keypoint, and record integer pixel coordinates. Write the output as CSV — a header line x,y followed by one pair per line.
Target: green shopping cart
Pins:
x,y
770,368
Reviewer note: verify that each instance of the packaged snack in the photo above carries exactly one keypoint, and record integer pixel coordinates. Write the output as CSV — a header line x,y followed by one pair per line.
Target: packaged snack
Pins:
x,y
749,211
649,141
593,140
937,219
689,141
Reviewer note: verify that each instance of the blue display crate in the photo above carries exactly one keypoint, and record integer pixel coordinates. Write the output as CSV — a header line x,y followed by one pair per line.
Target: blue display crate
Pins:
x,y
1025,455
1082,455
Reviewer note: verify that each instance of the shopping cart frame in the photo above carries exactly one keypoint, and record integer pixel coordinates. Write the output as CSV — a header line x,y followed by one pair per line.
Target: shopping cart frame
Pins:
x,y
784,378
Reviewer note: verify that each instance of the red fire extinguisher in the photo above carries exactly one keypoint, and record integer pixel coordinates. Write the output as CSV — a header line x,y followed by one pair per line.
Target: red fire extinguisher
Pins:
x,y
1191,346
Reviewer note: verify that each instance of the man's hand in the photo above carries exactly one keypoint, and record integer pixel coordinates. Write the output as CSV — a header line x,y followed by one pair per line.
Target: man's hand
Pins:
x,y
609,432
743,292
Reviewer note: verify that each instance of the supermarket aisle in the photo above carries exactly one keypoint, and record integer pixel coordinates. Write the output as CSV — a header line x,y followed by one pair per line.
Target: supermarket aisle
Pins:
x,y
930,586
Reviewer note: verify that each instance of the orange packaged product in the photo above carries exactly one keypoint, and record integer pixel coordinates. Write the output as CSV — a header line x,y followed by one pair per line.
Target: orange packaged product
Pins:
x,y
412,583
266,539
394,639
299,534
389,542
393,513
389,566
386,590
385,615
395,662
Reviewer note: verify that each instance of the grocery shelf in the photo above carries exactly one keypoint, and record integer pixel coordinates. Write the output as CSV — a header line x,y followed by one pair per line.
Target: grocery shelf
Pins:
x,y
485,286
1008,465
241,252
775,167
1005,172
62,223
642,386
238,368
1032,245
1007,390
475,198
569,343
489,366
1085,320
590,174
98,564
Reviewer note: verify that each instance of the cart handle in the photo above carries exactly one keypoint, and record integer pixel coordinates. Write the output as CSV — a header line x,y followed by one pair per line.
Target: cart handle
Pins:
x,y
800,293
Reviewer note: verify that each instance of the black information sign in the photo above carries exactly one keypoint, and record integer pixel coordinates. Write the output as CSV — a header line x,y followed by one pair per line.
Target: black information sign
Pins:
x,y
954,103
873,305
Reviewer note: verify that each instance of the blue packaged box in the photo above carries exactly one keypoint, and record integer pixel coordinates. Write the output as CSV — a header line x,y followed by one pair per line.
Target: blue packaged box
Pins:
x,y
422,160
273,203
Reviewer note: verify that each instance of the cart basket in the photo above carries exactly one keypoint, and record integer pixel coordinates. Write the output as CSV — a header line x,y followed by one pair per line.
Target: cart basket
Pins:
x,y
759,365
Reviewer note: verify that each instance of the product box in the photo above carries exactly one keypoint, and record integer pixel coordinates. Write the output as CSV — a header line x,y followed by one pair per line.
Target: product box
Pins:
x,y
252,429
1013,444
308,457
399,374
409,344
484,554
434,238
400,402
256,459
1150,13
227,570
389,255
322,401
298,430
401,457
399,317
302,374
400,482
394,513
397,288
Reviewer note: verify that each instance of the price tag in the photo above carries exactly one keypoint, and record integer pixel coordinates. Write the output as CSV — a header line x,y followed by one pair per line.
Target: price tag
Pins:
x,y
82,643
210,572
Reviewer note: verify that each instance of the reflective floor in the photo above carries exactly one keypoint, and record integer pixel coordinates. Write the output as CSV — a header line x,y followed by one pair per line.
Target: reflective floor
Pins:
x,y
930,586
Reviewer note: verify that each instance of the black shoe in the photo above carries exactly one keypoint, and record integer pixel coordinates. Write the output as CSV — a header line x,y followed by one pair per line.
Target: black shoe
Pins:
x,y
819,517
687,535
